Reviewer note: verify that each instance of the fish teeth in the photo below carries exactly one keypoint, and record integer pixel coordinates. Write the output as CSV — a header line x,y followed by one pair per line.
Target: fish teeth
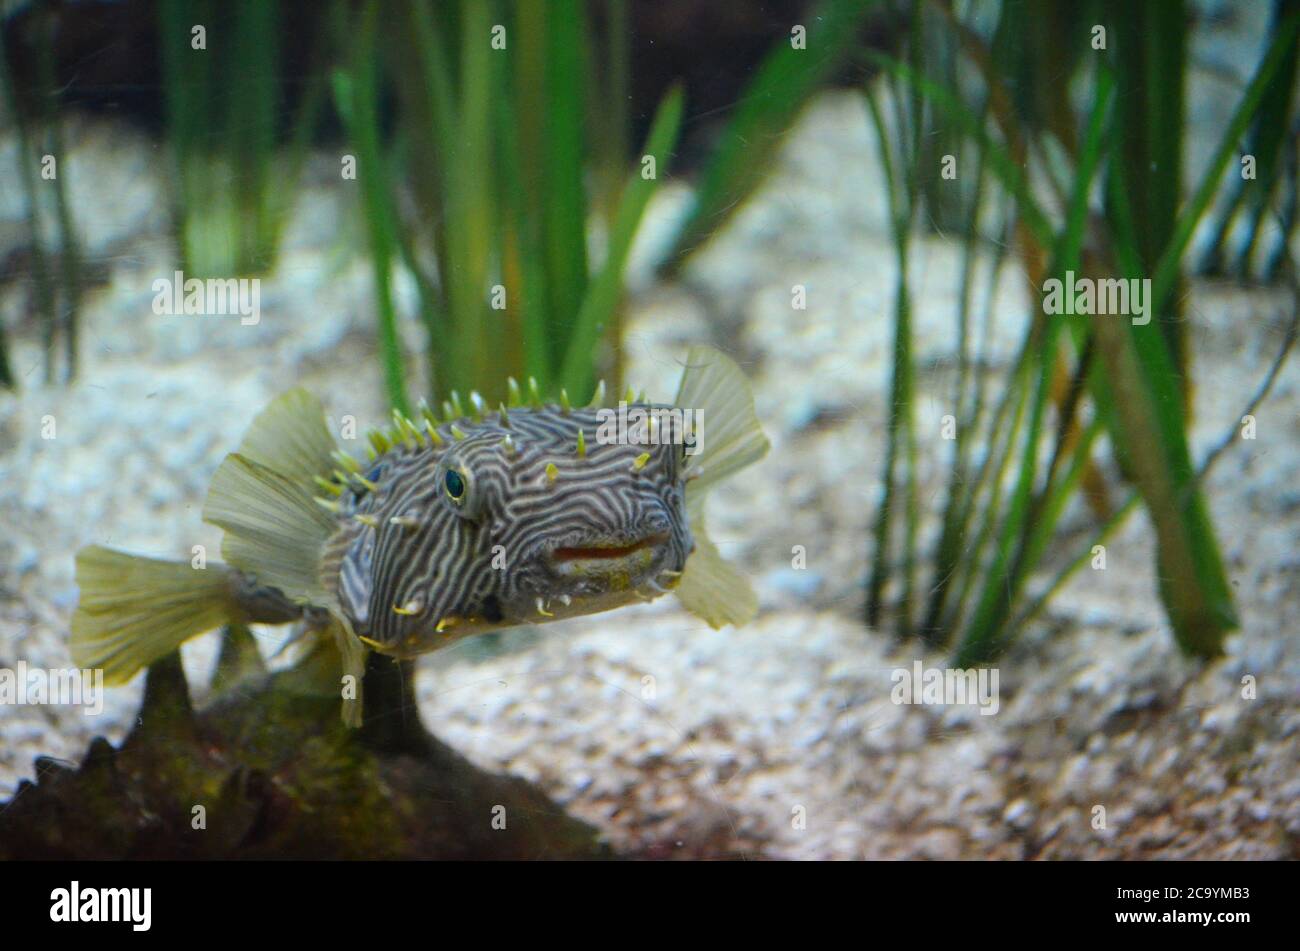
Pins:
x,y
541,609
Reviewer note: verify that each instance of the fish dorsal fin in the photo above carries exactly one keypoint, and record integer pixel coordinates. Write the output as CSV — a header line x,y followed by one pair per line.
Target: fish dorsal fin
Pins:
x,y
728,427
289,436
275,530
710,588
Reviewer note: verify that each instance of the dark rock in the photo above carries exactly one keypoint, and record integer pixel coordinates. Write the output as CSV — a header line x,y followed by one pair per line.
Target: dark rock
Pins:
x,y
270,771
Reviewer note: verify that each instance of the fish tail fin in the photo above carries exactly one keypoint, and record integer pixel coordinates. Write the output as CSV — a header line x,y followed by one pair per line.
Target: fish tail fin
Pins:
x,y
731,437
263,496
133,611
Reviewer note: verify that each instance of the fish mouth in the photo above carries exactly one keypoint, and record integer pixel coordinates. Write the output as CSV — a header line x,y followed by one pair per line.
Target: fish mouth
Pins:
x,y
592,574
602,551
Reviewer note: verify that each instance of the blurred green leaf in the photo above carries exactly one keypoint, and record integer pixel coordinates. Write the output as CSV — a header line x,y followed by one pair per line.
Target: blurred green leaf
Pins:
x,y
784,82
603,294
356,96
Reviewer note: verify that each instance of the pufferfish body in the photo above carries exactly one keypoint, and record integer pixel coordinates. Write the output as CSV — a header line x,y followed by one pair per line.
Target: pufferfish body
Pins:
x,y
453,526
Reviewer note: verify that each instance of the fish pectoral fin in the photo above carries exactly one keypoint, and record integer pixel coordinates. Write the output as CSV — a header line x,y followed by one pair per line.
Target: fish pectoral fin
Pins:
x,y
712,589
275,531
730,438
728,428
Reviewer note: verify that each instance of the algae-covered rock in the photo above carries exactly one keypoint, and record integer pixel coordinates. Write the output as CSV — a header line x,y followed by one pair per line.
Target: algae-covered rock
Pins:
x,y
268,770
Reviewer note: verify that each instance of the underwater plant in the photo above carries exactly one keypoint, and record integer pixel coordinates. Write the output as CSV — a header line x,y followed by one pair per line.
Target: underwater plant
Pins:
x,y
1276,156
234,173
41,168
491,147
1130,376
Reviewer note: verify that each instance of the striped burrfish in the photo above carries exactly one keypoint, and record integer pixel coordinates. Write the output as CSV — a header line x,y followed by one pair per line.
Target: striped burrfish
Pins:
x,y
458,523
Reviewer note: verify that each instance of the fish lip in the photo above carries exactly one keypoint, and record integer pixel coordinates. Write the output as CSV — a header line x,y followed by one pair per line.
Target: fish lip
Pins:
x,y
605,549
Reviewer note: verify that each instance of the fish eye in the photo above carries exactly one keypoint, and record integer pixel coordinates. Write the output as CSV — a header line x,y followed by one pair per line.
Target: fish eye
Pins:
x,y
454,483
461,493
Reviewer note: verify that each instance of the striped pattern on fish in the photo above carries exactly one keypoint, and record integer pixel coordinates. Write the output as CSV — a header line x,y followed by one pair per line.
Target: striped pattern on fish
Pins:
x,y
418,568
